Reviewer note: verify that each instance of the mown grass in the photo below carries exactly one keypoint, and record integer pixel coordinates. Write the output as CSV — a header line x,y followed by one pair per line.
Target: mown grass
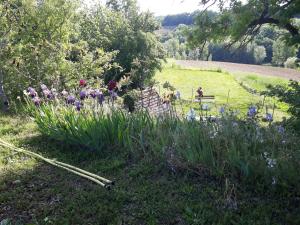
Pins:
x,y
224,86
259,82
146,190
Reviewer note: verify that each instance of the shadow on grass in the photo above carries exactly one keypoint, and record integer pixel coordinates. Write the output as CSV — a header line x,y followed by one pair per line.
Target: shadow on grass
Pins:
x,y
45,195
145,193
85,159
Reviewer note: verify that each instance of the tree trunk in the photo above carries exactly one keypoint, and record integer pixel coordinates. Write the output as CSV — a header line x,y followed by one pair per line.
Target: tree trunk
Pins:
x,y
3,98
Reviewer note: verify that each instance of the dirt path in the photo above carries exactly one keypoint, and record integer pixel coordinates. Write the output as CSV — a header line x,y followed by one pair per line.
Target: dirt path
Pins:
x,y
245,68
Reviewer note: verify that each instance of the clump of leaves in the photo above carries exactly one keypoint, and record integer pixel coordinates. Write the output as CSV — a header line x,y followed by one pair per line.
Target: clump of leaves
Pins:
x,y
290,95
168,86
129,102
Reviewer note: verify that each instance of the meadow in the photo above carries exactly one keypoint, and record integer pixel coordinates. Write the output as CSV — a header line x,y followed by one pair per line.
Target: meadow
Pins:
x,y
226,88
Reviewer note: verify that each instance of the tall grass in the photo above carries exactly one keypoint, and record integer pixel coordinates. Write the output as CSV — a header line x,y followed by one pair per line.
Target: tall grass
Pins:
x,y
230,147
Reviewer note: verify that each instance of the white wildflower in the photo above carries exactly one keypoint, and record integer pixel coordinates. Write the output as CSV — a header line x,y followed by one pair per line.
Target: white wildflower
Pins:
x,y
191,116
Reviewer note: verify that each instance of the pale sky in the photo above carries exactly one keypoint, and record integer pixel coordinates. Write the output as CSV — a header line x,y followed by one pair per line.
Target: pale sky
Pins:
x,y
167,7
164,7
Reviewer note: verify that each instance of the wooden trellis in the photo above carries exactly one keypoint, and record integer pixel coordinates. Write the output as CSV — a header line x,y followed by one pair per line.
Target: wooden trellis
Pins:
x,y
151,101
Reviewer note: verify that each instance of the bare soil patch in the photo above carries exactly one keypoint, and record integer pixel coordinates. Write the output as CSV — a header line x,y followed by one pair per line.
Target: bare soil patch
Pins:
x,y
244,68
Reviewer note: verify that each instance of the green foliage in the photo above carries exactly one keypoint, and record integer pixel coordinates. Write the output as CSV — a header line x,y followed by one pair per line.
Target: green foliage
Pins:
x,y
259,53
34,38
175,20
38,49
290,95
146,188
59,42
240,21
122,28
291,63
281,52
129,101
183,43
240,149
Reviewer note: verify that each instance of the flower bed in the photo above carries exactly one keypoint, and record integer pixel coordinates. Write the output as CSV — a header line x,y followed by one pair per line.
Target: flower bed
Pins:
x,y
227,147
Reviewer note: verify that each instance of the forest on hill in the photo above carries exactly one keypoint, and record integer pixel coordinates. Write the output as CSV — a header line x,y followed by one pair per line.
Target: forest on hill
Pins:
x,y
266,47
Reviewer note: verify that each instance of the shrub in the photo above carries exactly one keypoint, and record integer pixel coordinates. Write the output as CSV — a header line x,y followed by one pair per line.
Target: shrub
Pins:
x,y
129,101
291,62
290,95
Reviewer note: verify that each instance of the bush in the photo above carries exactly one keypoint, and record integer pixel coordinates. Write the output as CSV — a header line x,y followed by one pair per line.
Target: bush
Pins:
x,y
291,62
129,101
290,95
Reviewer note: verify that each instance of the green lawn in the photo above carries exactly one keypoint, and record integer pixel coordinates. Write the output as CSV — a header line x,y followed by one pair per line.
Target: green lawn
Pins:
x,y
33,192
224,86
259,82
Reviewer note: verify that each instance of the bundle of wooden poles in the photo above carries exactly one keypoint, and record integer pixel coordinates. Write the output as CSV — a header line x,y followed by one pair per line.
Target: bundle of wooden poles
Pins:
x,y
72,169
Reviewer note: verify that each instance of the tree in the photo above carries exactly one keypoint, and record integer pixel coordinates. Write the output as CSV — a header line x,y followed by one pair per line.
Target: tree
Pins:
x,y
281,52
175,20
35,37
240,23
291,62
41,46
259,54
266,37
122,28
172,46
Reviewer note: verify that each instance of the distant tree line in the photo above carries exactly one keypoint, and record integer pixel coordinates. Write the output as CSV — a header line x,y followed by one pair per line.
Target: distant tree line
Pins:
x,y
267,47
175,20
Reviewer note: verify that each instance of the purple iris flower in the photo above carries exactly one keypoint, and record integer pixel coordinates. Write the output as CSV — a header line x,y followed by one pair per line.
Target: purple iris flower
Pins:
x,y
113,94
82,95
93,93
44,87
36,101
30,89
32,93
71,99
78,105
48,94
281,129
252,111
222,110
269,117
98,92
101,98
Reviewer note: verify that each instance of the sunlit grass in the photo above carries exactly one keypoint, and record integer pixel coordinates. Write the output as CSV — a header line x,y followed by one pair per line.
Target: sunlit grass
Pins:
x,y
259,82
224,86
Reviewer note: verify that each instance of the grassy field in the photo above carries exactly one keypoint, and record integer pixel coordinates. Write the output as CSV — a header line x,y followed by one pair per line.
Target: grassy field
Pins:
x,y
224,86
259,82
33,192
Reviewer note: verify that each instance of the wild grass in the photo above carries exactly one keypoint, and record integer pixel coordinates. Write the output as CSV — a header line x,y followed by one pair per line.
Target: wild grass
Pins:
x,y
230,147
169,175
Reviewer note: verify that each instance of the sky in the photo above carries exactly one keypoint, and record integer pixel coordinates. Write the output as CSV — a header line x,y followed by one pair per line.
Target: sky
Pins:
x,y
163,7
168,7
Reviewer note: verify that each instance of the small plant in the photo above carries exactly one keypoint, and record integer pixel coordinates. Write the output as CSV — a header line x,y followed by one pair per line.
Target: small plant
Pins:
x,y
129,102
